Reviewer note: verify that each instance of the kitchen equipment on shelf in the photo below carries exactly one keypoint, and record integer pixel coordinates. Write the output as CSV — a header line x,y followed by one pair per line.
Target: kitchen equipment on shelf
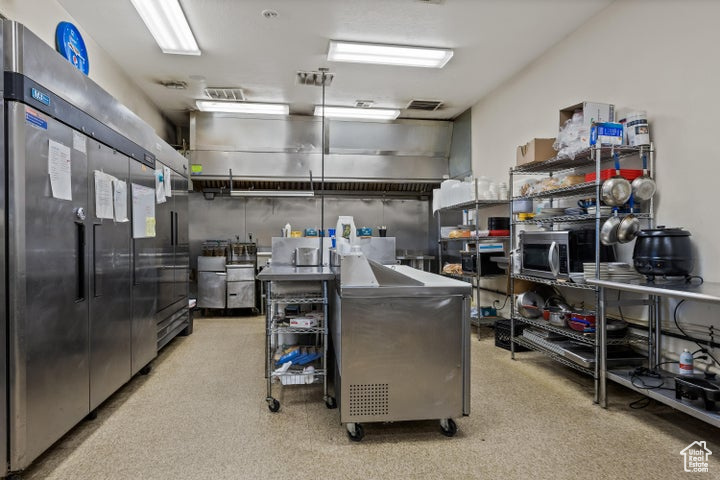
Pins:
x,y
296,234
345,234
307,257
498,223
628,228
616,191
644,187
311,232
499,233
663,251
364,232
609,230
287,230
697,388
582,321
530,304
558,253
382,231
616,328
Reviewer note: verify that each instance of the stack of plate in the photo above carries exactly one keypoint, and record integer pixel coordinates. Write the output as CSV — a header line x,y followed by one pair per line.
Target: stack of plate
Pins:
x,y
605,211
549,212
615,271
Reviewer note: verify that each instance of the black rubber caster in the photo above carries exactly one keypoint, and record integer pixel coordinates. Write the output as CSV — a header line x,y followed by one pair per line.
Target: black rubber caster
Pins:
x,y
330,403
448,427
355,432
91,416
14,476
145,370
273,405
255,311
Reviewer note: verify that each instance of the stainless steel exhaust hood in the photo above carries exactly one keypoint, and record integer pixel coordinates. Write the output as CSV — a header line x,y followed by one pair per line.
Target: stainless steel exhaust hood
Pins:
x,y
408,156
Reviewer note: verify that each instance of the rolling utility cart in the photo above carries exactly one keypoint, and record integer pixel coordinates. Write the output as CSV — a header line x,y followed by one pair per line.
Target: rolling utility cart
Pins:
x,y
296,336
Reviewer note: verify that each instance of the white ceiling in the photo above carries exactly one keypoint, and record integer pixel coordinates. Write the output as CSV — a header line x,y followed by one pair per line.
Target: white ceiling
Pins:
x,y
492,39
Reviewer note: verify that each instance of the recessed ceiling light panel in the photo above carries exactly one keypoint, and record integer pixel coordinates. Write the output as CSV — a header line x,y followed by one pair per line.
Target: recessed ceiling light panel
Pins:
x,y
243,107
360,113
168,25
402,55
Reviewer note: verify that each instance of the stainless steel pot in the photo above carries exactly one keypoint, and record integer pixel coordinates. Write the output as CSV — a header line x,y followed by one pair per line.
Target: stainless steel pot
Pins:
x,y
529,304
616,190
609,230
644,187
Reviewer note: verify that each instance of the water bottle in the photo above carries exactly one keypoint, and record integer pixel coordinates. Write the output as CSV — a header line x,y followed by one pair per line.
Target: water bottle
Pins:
x,y
686,363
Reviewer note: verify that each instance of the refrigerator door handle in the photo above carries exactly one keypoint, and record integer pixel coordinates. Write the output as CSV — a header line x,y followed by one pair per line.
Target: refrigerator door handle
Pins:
x,y
135,262
80,259
172,227
177,220
97,288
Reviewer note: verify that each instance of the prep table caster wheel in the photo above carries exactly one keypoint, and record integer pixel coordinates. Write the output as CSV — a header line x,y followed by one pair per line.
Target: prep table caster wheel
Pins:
x,y
92,415
273,405
330,403
145,370
448,427
13,476
255,311
355,431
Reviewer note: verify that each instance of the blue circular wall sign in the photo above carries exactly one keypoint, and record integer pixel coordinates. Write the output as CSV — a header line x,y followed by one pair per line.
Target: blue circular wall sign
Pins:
x,y
70,44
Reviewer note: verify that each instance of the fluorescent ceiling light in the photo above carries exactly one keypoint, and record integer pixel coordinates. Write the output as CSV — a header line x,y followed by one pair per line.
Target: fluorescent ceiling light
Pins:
x,y
406,56
168,25
272,193
243,107
354,112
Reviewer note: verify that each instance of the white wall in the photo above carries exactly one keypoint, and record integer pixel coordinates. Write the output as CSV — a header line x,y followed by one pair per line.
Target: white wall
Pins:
x,y
660,56
42,17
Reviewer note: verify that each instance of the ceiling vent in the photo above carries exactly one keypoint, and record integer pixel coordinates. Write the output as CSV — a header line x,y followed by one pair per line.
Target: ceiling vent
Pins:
x,y
174,84
223,93
315,78
426,105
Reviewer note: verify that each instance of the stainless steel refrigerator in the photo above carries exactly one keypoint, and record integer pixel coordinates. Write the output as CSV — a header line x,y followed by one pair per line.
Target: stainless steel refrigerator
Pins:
x,y
83,292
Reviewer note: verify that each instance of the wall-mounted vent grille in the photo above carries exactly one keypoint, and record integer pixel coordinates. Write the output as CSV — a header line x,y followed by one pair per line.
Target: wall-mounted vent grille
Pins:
x,y
427,105
369,399
222,93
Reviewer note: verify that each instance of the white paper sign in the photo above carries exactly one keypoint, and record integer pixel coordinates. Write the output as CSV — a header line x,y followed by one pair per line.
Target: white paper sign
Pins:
x,y
103,195
159,186
143,211
79,142
59,170
167,181
120,200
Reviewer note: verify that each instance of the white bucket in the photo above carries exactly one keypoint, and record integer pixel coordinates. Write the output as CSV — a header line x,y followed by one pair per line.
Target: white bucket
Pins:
x,y
638,131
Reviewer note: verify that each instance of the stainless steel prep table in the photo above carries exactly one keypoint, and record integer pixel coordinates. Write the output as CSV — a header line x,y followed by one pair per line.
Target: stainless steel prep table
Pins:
x,y
706,292
401,339
289,285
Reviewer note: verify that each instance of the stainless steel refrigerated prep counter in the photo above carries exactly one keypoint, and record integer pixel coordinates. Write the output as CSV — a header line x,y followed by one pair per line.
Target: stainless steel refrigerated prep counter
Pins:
x,y
401,339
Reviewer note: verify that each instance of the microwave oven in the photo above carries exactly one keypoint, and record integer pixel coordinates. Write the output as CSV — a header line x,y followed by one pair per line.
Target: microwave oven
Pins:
x,y
558,253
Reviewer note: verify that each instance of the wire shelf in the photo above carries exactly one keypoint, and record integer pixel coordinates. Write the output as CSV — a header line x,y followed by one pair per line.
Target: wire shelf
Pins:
x,y
473,204
300,298
570,191
582,159
555,283
473,239
558,358
577,219
588,338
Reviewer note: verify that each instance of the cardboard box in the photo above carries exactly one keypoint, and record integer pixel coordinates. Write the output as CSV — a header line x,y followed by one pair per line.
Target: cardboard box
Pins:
x,y
593,112
536,150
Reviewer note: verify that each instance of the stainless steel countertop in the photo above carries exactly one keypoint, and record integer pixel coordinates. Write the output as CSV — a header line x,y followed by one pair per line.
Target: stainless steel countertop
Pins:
x,y
705,292
290,273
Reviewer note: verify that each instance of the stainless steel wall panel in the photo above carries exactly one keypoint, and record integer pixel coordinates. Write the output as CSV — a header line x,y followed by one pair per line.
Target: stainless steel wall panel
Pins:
x,y
295,166
110,284
145,258
225,217
48,291
460,160
232,133
424,138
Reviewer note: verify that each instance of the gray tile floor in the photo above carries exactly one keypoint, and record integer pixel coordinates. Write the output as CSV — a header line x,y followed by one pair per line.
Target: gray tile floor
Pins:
x,y
201,414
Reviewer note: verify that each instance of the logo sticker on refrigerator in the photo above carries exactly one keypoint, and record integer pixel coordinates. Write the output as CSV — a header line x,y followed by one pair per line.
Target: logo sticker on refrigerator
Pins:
x,y
40,96
33,117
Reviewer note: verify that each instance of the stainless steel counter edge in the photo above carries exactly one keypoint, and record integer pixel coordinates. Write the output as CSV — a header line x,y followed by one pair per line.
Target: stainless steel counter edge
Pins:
x,y
706,292
290,273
